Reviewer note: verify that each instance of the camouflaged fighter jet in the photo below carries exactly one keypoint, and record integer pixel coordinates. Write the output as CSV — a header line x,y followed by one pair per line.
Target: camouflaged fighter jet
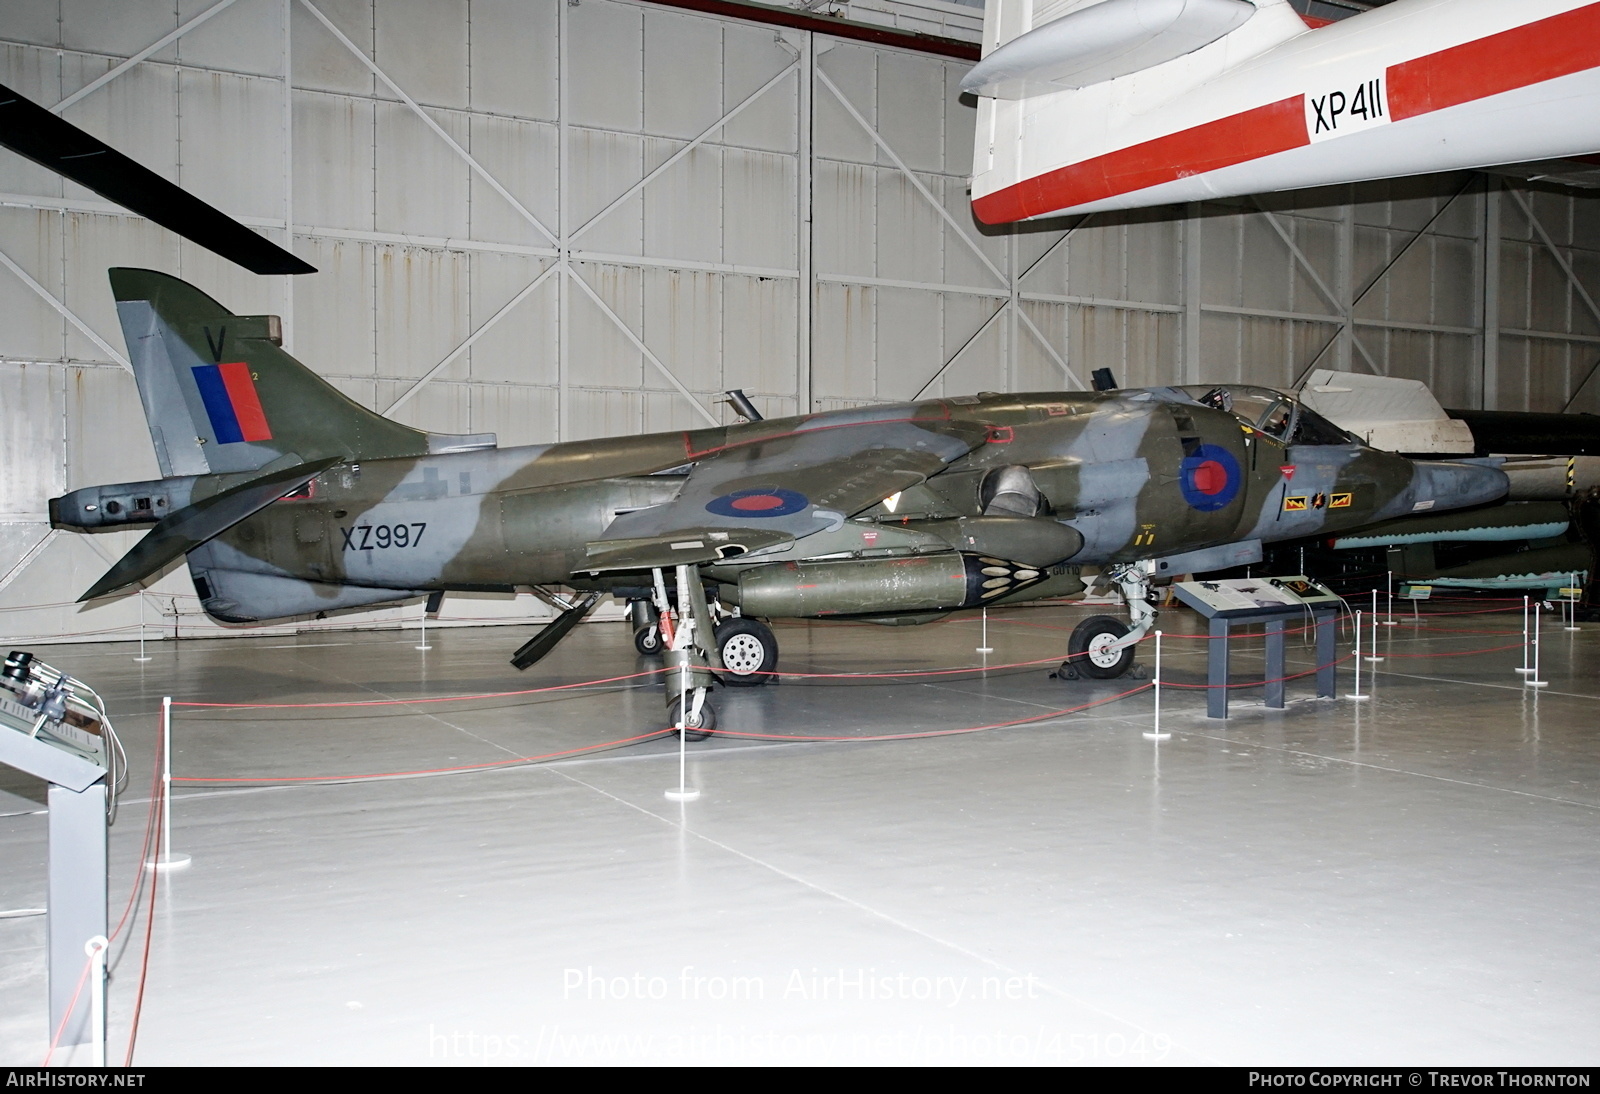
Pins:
x,y
290,499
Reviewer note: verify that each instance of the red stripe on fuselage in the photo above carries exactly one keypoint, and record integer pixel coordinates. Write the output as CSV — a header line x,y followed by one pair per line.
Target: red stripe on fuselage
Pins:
x,y
1550,48
1546,50
1263,131
246,403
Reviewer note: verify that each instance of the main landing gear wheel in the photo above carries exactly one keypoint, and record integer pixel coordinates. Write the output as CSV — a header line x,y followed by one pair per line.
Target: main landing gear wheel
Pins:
x,y
1091,649
749,652
699,726
647,640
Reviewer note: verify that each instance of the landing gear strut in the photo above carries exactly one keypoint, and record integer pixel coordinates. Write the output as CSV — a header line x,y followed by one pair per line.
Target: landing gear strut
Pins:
x,y
1102,647
691,655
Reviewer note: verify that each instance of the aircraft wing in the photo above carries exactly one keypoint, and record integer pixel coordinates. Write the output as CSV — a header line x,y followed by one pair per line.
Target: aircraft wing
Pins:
x,y
770,489
32,131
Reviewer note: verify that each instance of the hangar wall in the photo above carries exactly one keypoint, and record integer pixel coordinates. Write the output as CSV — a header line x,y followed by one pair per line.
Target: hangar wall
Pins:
x,y
555,220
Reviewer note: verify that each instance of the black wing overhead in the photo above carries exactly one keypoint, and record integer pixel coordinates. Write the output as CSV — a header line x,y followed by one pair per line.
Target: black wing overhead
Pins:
x,y
32,131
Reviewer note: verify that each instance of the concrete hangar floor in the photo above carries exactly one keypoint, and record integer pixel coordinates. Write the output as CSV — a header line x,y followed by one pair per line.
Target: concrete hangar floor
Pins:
x,y
1414,878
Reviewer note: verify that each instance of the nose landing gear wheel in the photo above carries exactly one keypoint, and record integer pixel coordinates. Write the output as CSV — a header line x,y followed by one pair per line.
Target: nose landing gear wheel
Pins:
x,y
749,652
699,726
1091,649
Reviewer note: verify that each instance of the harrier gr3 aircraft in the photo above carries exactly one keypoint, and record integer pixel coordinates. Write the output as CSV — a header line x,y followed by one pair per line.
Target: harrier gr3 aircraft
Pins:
x,y
290,499
1118,104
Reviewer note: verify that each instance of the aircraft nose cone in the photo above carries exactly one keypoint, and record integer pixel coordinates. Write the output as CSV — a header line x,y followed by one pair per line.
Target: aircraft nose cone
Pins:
x,y
1440,485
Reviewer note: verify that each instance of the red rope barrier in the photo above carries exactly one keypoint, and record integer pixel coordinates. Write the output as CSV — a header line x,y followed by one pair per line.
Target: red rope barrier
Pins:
x,y
514,761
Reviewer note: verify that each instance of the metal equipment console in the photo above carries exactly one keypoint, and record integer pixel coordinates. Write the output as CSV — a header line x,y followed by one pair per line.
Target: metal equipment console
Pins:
x,y
55,728
1275,601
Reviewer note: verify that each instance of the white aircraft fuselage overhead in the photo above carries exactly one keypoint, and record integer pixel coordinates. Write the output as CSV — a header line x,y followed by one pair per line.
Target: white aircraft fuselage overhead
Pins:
x,y
1088,105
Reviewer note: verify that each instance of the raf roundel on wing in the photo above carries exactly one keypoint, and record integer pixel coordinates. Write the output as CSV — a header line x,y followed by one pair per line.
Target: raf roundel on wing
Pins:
x,y
760,502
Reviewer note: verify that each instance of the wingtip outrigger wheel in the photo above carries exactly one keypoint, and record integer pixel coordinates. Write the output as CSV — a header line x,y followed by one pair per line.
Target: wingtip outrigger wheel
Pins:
x,y
646,622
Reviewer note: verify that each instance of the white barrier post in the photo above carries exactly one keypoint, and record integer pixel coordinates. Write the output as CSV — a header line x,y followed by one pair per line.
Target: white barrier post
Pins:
x,y
141,658
424,645
96,949
1374,655
683,637
1155,734
1389,618
166,860
1526,645
1355,660
985,648
1572,604
1534,681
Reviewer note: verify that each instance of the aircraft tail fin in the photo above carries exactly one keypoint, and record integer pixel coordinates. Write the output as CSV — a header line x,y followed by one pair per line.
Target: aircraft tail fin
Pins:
x,y
222,396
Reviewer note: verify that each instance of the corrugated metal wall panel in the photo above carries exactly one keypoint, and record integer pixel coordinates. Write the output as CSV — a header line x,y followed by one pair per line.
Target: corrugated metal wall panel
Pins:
x,y
106,436
604,165
335,330
110,26
422,46
334,174
91,244
421,188
230,41
32,330
34,398
910,233
38,24
909,346
846,201
518,349
601,355
427,291
523,157
607,72
683,86
750,57
758,208
683,206
320,62
842,342
682,325
514,413
759,343
441,407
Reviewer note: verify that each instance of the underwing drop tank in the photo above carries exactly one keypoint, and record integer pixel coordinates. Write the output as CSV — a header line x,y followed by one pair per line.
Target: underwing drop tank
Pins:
x,y
924,583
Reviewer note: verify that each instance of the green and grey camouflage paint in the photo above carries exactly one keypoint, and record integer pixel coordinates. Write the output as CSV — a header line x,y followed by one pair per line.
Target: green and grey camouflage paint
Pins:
x,y
288,498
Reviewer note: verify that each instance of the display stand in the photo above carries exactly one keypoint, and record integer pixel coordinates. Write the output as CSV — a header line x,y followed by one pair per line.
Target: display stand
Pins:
x,y
75,764
1244,602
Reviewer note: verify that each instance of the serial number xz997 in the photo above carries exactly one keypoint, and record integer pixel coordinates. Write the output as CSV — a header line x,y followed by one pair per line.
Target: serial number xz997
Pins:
x,y
380,537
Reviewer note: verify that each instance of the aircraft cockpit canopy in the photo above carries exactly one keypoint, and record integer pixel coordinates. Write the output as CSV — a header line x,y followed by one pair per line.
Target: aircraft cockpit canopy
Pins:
x,y
1274,413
